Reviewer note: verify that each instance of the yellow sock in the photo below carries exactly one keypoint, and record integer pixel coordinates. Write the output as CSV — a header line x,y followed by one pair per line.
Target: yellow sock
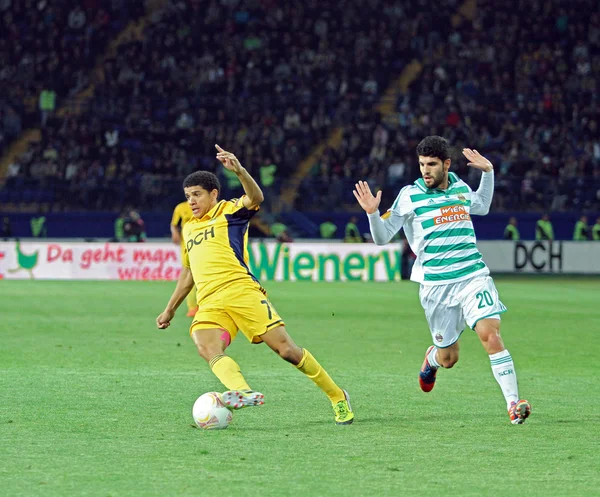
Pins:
x,y
311,368
190,300
228,372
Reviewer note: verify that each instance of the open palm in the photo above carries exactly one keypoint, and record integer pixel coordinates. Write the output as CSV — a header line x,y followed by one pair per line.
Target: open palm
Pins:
x,y
477,160
365,198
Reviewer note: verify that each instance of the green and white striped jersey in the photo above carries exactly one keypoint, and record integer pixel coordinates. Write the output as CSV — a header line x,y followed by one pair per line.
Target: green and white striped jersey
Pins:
x,y
438,228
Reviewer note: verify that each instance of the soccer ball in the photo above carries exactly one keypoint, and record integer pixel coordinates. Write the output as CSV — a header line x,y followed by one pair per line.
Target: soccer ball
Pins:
x,y
210,413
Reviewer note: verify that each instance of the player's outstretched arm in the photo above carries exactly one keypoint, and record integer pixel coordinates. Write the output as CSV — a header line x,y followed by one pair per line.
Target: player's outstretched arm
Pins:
x,y
254,195
481,200
185,283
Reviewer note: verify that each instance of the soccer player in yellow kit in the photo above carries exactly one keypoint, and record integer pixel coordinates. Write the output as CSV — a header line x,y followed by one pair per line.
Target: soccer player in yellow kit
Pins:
x,y
181,215
229,297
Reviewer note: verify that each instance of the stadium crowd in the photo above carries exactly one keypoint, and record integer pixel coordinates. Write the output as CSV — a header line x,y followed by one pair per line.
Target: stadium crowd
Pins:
x,y
270,80
47,50
522,90
267,79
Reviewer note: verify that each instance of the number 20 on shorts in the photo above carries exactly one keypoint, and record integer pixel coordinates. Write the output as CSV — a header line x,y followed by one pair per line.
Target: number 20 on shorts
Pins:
x,y
485,299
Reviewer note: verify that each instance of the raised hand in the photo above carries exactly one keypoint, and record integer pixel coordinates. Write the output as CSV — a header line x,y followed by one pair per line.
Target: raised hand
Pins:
x,y
228,160
365,198
477,160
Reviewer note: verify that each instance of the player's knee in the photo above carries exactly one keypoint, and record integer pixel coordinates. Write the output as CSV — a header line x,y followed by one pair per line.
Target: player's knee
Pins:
x,y
494,344
208,350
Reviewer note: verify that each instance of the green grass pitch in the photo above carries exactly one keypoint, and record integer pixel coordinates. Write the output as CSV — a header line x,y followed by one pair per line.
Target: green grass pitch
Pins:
x,y
97,402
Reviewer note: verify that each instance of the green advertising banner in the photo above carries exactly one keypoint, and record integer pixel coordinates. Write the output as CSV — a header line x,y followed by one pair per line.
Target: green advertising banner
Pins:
x,y
324,262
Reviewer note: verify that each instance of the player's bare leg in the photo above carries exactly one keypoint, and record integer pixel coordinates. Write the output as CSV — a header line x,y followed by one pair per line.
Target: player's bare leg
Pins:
x,y
503,368
210,342
211,345
281,343
436,358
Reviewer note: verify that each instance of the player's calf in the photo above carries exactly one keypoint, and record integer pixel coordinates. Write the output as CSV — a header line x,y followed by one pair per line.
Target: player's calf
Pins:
x,y
279,341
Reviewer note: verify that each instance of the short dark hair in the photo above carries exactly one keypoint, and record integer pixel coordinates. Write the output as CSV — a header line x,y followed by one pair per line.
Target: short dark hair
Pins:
x,y
205,179
434,146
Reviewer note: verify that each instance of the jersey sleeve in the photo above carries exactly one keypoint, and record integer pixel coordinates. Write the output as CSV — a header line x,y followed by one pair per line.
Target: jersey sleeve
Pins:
x,y
481,200
235,209
383,228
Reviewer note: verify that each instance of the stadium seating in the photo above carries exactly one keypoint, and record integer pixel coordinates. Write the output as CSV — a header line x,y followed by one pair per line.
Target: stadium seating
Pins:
x,y
521,90
52,46
272,80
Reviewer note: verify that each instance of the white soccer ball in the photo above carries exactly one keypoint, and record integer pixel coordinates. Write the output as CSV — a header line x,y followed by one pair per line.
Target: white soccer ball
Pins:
x,y
210,413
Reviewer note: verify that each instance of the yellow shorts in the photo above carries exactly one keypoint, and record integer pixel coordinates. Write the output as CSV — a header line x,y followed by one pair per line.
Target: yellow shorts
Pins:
x,y
241,307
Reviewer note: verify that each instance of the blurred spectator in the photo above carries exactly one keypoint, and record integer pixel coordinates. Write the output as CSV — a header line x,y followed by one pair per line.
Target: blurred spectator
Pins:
x,y
133,227
12,123
119,235
281,232
47,105
544,229
13,171
6,229
596,230
352,233
582,230
267,181
258,227
511,232
327,229
76,18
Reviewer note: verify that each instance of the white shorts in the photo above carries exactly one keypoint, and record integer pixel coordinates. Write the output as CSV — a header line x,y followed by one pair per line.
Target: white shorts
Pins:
x,y
448,307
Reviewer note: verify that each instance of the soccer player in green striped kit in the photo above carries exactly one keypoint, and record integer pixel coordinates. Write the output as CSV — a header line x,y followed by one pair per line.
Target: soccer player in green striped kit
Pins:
x,y
456,286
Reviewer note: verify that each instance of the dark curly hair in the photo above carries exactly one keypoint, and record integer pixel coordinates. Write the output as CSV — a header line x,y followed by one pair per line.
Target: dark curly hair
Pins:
x,y
205,179
434,146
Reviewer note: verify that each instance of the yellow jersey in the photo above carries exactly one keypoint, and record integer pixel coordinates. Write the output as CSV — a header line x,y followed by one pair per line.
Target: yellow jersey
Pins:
x,y
216,247
181,215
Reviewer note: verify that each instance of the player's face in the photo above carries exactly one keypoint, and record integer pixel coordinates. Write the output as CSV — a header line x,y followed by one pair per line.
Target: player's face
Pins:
x,y
200,200
434,171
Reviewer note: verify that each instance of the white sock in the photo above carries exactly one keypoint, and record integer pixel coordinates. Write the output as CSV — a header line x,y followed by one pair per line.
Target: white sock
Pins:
x,y
506,376
431,358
